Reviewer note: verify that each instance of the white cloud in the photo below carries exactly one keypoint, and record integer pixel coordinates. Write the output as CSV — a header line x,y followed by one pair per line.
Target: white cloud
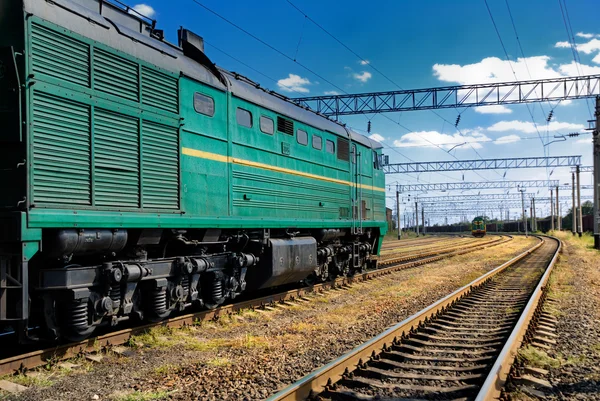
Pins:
x,y
145,10
575,69
331,93
364,62
294,83
589,47
377,137
507,139
562,44
585,141
494,69
585,35
363,76
429,139
493,109
528,127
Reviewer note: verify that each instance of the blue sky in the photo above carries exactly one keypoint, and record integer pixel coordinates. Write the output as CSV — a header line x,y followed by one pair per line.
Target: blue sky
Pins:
x,y
415,44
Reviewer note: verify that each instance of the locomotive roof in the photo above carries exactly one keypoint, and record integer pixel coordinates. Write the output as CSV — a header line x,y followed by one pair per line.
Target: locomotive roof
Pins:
x,y
110,24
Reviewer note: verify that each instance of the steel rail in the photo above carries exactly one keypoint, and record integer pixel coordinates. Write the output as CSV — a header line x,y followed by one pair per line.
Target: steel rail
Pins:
x,y
393,259
317,381
493,385
61,352
425,245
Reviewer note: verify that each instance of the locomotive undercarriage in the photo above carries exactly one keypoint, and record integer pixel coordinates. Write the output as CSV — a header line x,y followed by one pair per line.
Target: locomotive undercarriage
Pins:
x,y
85,279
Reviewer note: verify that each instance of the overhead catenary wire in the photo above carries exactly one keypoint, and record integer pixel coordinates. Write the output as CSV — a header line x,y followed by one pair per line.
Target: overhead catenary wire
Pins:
x,y
281,53
372,66
267,45
510,64
571,39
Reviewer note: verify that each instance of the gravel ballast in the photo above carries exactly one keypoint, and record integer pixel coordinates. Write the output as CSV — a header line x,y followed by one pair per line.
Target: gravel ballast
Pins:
x,y
574,361
252,355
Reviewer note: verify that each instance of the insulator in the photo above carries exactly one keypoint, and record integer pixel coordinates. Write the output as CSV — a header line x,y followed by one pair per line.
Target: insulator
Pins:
x,y
457,121
159,301
217,290
550,115
369,127
77,315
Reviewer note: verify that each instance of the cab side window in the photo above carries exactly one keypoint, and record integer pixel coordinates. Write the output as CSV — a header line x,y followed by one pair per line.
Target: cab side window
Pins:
x,y
267,125
317,142
302,137
204,104
330,146
243,117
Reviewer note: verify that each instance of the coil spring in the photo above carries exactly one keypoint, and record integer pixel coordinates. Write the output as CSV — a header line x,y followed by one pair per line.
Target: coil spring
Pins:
x,y
217,290
159,300
77,315
185,282
115,293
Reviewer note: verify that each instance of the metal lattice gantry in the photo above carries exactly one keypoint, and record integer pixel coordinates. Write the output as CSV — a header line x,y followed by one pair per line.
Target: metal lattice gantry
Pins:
x,y
583,169
465,186
470,209
473,198
539,90
486,199
482,164
494,206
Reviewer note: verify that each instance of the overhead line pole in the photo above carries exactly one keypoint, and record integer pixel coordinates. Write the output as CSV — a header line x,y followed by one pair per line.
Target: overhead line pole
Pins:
x,y
551,210
596,145
574,210
398,214
558,222
417,217
579,217
534,214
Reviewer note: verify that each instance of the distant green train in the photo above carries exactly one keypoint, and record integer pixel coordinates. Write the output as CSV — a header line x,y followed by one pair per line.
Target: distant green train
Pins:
x,y
478,228
139,179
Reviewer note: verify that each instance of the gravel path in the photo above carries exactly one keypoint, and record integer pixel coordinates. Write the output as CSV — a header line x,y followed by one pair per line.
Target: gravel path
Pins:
x,y
576,356
251,355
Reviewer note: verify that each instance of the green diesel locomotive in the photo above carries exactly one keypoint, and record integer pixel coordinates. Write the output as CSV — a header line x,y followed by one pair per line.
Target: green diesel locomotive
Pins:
x,y
140,179
478,227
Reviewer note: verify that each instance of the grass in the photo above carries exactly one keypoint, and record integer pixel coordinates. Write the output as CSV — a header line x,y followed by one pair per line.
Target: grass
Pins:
x,y
30,381
304,327
219,362
165,370
537,358
142,396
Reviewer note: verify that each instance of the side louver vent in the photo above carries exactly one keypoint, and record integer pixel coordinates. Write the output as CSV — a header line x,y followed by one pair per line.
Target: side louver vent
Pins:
x,y
60,57
284,125
116,76
160,166
343,149
160,90
116,160
61,149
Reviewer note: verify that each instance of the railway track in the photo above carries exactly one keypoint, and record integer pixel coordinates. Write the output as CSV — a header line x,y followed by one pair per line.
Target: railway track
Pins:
x,y
37,358
461,347
390,256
